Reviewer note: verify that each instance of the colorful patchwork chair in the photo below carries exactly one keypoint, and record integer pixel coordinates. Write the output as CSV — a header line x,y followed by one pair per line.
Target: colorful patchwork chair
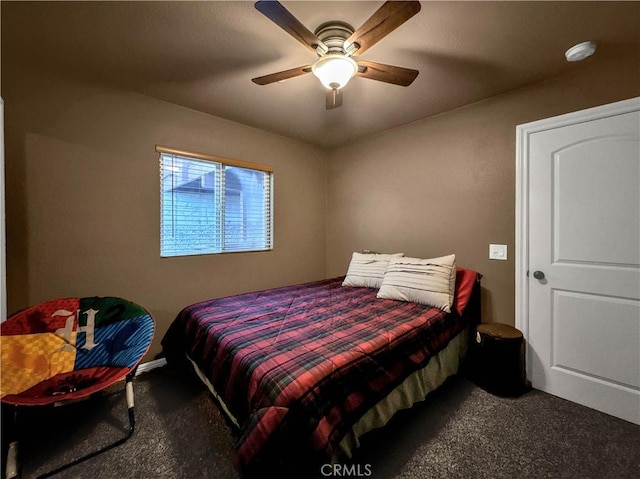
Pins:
x,y
68,349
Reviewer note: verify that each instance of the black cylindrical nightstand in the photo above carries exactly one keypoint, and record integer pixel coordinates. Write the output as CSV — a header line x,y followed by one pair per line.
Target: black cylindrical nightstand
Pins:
x,y
496,360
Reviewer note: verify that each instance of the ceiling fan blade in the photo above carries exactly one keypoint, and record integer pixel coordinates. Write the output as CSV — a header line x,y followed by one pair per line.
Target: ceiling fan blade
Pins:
x,y
385,20
333,99
281,76
279,15
386,73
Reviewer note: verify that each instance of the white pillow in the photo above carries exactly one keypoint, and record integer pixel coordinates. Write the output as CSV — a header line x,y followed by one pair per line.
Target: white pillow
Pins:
x,y
425,281
367,270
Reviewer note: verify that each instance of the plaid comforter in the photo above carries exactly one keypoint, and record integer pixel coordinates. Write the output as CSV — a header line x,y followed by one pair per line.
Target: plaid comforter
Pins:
x,y
299,365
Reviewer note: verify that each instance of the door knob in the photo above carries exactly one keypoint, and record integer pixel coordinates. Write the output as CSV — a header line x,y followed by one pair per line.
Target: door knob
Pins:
x,y
538,275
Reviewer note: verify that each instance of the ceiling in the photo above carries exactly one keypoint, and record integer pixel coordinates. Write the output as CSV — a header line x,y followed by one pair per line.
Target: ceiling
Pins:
x,y
202,55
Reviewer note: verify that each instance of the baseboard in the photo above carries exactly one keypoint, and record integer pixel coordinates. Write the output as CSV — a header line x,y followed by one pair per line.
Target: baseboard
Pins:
x,y
148,366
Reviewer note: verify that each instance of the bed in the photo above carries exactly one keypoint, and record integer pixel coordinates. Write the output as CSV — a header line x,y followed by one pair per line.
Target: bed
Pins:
x,y
304,371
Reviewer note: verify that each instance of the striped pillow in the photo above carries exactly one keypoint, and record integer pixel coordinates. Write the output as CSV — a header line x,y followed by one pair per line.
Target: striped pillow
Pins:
x,y
425,281
367,270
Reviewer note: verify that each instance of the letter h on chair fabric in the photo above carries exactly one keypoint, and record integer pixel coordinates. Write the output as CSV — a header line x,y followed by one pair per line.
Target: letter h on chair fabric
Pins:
x,y
68,349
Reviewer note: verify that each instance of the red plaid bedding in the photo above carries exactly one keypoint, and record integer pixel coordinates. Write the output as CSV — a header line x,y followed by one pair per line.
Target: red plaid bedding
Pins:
x,y
299,365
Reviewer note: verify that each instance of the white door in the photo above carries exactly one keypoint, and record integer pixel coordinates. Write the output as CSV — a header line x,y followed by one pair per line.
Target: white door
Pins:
x,y
579,186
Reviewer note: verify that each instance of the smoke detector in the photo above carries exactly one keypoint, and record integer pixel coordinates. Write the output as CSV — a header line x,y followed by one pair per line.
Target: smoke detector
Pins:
x,y
580,51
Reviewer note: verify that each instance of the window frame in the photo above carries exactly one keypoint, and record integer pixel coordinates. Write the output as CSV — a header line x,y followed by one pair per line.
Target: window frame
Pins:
x,y
164,150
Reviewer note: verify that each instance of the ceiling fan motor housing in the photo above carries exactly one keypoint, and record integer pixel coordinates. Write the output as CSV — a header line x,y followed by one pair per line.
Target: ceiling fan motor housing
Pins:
x,y
333,34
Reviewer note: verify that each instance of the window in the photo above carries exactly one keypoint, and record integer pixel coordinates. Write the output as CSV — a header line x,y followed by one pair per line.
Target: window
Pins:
x,y
213,205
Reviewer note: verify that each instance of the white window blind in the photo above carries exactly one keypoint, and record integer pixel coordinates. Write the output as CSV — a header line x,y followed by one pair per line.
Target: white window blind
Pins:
x,y
209,206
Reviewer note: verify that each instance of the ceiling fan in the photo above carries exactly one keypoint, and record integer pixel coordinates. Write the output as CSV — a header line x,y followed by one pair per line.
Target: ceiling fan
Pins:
x,y
336,42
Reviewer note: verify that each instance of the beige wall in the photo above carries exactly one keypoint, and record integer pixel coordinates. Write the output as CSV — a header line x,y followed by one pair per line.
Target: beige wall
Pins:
x,y
446,184
82,192
83,199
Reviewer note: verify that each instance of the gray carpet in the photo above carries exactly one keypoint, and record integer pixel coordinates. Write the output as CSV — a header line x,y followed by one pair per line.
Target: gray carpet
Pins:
x,y
460,431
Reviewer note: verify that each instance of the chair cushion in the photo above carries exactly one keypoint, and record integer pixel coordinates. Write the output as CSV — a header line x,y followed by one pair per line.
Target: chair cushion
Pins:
x,y
70,348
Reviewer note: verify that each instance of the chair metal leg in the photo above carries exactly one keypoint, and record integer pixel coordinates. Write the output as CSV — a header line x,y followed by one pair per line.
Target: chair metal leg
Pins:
x,y
132,424
12,467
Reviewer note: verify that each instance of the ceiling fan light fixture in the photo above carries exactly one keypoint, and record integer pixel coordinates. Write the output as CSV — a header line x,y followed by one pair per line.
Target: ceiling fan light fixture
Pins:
x,y
335,70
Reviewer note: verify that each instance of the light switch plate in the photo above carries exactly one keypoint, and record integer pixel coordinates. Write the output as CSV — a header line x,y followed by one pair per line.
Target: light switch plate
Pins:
x,y
498,251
